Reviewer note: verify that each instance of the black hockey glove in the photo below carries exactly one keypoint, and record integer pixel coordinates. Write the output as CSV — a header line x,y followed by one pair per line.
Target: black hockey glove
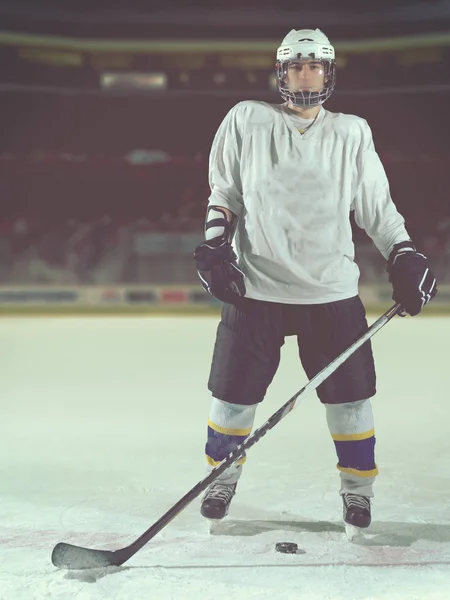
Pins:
x,y
218,271
412,281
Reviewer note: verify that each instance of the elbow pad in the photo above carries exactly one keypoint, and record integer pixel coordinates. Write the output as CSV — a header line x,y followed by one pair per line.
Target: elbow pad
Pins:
x,y
218,228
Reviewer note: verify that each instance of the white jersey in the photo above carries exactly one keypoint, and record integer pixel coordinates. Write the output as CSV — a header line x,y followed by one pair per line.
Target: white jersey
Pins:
x,y
293,194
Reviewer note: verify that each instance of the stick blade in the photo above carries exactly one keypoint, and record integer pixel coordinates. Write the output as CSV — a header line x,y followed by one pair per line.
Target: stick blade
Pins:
x,y
67,556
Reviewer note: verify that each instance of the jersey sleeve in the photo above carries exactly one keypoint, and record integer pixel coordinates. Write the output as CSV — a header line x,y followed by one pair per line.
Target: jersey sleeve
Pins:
x,y
225,163
374,209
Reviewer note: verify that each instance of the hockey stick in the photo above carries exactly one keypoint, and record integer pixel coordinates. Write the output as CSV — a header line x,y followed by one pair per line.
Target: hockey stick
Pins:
x,y
76,557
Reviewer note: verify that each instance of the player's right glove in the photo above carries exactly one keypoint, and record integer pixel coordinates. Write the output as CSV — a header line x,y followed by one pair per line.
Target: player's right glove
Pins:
x,y
218,271
413,283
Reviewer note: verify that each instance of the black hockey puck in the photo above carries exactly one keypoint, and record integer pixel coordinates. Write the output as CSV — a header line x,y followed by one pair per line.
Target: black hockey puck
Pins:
x,y
286,547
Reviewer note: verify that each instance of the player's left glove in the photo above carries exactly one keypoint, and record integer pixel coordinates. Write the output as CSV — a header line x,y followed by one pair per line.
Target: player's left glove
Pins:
x,y
413,283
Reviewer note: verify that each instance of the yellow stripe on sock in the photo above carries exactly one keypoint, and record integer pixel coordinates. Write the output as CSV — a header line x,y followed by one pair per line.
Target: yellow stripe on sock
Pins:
x,y
227,431
214,463
372,473
351,437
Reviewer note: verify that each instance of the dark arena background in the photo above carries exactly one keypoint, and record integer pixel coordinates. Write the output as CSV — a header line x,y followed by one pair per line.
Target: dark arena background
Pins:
x,y
107,117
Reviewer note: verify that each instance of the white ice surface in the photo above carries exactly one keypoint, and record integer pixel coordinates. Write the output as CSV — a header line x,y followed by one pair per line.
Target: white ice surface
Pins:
x,y
102,429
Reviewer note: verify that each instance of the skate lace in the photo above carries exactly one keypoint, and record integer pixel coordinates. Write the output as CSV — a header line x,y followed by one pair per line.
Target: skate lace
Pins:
x,y
221,492
355,500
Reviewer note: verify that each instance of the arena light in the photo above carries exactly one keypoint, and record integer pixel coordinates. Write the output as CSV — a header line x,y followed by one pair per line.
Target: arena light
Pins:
x,y
116,80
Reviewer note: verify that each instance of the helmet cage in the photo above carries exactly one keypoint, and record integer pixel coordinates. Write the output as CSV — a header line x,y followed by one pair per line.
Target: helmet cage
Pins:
x,y
305,99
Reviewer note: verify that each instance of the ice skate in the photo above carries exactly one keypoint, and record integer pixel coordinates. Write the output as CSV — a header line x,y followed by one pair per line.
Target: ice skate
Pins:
x,y
356,514
217,499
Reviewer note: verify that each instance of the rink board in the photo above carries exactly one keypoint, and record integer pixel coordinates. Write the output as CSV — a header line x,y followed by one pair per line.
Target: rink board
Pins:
x,y
156,299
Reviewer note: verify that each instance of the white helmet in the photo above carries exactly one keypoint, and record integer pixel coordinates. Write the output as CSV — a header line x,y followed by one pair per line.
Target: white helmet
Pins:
x,y
305,44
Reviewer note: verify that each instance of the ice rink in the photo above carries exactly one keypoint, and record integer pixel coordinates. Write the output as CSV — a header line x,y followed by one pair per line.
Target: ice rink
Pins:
x,y
103,424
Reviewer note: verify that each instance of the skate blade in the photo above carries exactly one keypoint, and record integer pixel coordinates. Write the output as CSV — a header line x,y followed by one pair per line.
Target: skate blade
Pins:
x,y
217,526
214,525
354,534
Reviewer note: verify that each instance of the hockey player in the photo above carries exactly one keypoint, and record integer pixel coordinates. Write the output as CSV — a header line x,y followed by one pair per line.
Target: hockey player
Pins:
x,y
279,253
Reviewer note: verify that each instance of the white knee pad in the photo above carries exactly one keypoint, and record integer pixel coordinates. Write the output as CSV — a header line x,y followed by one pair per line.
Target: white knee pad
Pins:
x,y
234,419
350,418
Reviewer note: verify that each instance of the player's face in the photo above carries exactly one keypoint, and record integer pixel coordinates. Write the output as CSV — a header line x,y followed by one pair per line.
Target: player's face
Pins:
x,y
305,75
